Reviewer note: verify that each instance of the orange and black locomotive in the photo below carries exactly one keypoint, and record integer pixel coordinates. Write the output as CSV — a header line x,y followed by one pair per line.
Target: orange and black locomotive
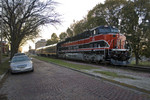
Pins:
x,y
100,44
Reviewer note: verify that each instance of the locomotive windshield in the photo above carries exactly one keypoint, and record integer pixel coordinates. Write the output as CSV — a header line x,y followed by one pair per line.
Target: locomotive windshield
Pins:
x,y
106,30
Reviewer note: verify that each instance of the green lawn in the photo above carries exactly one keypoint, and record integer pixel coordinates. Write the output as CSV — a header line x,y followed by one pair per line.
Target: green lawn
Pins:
x,y
4,56
141,63
65,64
113,74
4,67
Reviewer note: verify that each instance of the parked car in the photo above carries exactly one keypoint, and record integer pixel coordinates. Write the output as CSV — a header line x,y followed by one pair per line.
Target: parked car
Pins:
x,y
19,54
21,64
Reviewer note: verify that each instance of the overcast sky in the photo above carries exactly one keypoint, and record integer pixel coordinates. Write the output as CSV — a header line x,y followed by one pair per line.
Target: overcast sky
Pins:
x,y
70,10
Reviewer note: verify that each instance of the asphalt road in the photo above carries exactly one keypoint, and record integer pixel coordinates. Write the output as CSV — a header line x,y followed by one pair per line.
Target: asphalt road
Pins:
x,y
52,82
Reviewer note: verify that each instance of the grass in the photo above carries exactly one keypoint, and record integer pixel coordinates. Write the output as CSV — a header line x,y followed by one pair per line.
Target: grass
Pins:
x,y
4,67
4,56
141,63
66,64
113,74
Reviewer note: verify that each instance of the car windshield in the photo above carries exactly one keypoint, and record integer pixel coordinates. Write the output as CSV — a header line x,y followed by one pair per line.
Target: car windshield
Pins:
x,y
20,58
19,54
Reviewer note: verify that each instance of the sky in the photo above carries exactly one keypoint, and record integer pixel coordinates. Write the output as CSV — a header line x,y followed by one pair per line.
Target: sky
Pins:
x,y
69,10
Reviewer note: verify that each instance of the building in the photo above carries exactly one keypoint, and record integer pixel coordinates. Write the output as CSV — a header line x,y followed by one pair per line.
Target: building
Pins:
x,y
40,43
31,51
5,48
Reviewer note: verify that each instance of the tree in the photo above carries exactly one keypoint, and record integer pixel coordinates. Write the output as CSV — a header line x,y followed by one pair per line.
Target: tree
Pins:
x,y
143,9
69,32
49,42
54,39
31,37
95,17
146,47
23,18
112,10
79,26
62,36
133,15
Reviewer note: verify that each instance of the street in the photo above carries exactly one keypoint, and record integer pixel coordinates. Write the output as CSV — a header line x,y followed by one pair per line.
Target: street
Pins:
x,y
52,82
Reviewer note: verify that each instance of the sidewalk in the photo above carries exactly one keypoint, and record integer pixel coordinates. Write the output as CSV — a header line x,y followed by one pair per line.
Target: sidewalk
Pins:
x,y
128,79
132,79
2,75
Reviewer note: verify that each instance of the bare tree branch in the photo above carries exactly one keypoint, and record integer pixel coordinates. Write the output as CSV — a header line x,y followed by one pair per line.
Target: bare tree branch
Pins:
x,y
22,19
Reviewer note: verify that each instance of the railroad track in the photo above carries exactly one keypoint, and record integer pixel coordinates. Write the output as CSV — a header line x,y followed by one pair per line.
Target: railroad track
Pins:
x,y
127,67
137,68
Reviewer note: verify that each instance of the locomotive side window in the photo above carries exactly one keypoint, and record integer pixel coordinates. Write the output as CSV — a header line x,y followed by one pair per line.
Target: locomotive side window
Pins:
x,y
97,31
84,46
95,45
91,45
59,48
105,30
103,44
100,44
64,48
92,32
87,34
87,45
80,46
114,30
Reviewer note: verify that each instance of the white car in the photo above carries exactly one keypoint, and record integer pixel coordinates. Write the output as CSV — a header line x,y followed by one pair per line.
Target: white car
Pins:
x,y
21,64
19,54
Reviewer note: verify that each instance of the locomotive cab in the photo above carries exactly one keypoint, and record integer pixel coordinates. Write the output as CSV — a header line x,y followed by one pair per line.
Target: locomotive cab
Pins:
x,y
118,51
121,52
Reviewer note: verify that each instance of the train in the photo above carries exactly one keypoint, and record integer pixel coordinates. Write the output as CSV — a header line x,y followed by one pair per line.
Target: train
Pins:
x,y
99,44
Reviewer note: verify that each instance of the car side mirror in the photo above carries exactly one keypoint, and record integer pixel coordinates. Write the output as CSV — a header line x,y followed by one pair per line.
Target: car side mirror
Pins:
x,y
31,58
9,61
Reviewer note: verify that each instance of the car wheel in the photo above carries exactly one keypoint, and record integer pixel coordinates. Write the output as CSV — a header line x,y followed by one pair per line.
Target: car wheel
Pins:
x,y
32,70
11,72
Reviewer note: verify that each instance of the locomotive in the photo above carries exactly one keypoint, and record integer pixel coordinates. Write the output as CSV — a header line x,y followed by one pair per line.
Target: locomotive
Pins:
x,y
100,44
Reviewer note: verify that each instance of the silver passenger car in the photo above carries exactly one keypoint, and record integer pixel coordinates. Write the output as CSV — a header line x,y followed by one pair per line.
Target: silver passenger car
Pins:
x,y
21,64
19,54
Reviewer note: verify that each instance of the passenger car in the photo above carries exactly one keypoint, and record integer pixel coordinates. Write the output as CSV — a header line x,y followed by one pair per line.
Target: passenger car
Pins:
x,y
19,54
21,64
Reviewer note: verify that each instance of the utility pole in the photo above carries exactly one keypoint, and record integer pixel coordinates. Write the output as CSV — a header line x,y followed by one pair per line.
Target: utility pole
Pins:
x,y
1,53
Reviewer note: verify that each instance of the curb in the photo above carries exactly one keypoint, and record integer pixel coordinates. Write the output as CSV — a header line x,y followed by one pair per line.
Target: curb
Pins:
x,y
138,68
3,75
109,80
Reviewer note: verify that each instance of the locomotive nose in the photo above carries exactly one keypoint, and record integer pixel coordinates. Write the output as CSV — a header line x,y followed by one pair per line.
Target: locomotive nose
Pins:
x,y
121,41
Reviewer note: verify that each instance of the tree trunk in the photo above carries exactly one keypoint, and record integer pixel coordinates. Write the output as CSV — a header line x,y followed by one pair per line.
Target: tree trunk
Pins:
x,y
14,49
137,58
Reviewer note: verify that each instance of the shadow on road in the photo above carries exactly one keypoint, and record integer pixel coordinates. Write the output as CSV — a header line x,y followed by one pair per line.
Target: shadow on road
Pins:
x,y
3,97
